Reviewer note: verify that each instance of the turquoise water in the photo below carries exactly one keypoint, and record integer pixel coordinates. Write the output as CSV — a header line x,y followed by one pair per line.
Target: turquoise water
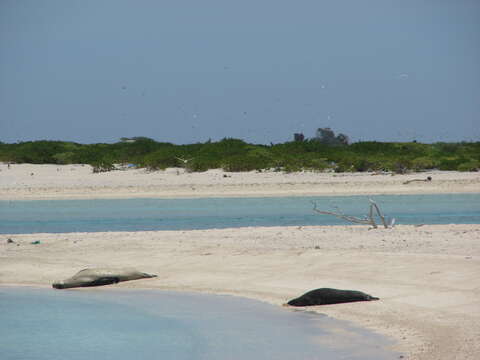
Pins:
x,y
56,216
41,324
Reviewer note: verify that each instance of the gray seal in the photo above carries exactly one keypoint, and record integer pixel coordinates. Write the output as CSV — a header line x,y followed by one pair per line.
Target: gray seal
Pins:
x,y
100,276
326,296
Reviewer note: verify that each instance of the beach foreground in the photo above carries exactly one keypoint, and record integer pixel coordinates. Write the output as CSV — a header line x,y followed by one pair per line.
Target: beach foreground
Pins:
x,y
426,277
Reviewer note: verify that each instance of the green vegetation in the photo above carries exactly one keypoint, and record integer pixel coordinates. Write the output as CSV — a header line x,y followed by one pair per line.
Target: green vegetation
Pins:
x,y
237,155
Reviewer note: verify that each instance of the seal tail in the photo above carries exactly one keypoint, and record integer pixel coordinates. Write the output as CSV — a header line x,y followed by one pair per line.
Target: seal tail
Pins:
x,y
373,298
149,275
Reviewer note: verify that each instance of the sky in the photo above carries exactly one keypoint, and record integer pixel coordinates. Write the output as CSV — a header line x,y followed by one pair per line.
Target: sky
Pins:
x,y
188,71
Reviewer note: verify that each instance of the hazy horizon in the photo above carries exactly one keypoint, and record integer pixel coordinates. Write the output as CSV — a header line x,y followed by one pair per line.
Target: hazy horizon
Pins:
x,y
185,72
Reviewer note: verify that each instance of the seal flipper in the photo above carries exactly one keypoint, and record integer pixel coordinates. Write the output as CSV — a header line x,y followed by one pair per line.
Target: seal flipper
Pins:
x,y
106,280
148,276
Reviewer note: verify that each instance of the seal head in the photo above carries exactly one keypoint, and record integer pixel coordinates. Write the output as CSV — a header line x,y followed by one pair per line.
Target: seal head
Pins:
x,y
58,285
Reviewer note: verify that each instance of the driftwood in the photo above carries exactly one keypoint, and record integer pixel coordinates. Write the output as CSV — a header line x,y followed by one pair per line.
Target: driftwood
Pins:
x,y
381,173
413,180
368,220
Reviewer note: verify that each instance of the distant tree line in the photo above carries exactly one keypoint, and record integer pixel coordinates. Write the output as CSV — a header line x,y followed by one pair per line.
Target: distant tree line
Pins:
x,y
325,152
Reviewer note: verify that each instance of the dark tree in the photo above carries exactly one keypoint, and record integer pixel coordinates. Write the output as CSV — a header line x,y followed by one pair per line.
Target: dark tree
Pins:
x,y
298,137
343,139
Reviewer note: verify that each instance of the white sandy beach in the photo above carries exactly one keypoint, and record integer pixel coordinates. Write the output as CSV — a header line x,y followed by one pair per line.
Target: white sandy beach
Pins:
x,y
24,181
427,277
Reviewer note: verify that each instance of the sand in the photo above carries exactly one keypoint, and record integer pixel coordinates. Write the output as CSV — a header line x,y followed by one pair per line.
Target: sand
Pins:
x,y
25,181
427,277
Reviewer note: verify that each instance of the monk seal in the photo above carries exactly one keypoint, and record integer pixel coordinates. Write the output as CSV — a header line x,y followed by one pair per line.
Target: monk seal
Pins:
x,y
100,276
325,296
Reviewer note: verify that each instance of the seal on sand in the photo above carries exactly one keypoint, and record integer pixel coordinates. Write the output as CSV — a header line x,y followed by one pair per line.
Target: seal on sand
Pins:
x,y
100,276
325,296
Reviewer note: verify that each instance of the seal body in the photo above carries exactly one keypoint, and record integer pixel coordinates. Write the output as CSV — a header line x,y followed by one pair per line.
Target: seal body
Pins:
x,y
100,276
325,296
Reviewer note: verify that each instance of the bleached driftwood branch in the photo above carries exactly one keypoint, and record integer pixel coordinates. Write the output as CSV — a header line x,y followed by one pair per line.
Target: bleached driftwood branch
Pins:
x,y
373,205
413,180
344,217
369,220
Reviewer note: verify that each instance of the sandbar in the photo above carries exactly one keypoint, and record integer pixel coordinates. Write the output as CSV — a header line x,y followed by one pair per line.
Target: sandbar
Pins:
x,y
31,182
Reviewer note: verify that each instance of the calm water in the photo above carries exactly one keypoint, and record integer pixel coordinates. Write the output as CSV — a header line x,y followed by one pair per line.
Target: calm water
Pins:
x,y
38,324
175,214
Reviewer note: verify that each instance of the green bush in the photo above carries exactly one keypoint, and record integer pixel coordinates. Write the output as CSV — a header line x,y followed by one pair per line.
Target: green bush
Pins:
x,y
317,164
236,155
200,164
447,148
450,163
161,159
397,166
250,162
344,167
366,164
472,165
423,163
292,167
64,158
102,166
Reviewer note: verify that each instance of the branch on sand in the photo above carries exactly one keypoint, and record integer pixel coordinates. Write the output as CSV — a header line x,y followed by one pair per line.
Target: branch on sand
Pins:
x,y
368,220
413,180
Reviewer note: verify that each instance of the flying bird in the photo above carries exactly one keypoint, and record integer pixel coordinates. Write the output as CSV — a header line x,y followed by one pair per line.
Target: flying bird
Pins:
x,y
185,161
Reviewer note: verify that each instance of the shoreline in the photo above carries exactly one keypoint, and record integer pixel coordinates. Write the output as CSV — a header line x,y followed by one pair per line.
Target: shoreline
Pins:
x,y
426,277
207,195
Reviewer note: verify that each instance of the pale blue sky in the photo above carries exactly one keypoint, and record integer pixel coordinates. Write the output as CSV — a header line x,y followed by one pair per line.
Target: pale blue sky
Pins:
x,y
186,71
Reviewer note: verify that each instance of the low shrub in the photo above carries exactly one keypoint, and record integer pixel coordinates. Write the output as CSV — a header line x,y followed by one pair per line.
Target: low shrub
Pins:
x,y
472,165
102,166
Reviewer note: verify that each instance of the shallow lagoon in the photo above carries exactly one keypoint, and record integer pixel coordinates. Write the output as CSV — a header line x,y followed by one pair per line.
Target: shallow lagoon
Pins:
x,y
58,216
123,324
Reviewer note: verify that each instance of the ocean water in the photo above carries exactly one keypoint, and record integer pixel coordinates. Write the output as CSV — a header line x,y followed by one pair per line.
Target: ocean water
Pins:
x,y
55,216
44,324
